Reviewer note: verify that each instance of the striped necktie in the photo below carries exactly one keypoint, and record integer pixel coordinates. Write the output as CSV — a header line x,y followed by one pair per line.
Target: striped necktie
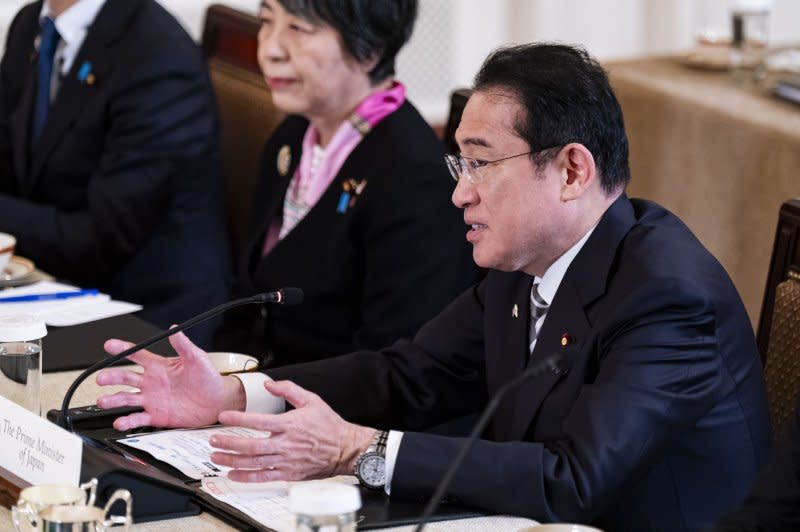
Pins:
x,y
538,309
48,41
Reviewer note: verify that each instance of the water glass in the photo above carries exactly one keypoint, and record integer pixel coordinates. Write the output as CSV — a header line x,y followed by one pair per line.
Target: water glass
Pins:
x,y
21,360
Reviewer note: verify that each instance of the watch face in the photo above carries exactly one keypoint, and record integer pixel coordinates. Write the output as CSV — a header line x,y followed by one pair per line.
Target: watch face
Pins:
x,y
372,470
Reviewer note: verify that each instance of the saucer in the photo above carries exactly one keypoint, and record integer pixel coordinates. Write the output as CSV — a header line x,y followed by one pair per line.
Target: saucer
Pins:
x,y
16,271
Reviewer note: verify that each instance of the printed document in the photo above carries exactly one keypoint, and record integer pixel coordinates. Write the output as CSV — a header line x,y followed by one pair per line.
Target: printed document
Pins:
x,y
187,450
265,502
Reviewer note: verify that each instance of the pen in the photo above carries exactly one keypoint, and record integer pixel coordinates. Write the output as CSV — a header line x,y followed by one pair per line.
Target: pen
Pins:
x,y
49,297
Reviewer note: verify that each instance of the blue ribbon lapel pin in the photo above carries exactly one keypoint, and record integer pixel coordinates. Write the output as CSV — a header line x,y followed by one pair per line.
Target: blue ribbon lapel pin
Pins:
x,y
85,74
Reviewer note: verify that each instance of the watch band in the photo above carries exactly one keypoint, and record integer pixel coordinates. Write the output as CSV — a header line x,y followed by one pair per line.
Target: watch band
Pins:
x,y
379,442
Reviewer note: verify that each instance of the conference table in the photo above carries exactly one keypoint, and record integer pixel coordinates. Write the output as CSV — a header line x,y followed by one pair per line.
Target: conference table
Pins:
x,y
722,157
90,336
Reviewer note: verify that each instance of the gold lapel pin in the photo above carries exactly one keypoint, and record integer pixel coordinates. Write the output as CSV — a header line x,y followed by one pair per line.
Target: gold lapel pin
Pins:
x,y
566,339
284,159
515,311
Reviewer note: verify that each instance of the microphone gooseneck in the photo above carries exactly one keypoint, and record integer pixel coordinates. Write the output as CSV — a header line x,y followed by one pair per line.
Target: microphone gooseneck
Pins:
x,y
551,363
284,296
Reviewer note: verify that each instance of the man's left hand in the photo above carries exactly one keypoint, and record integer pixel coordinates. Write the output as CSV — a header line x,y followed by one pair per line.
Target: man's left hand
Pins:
x,y
311,441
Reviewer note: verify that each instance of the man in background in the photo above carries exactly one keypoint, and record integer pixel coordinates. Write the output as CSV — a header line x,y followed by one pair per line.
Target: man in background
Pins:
x,y
109,160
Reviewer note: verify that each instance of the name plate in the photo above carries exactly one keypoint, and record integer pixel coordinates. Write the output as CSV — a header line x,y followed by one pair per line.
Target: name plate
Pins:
x,y
35,450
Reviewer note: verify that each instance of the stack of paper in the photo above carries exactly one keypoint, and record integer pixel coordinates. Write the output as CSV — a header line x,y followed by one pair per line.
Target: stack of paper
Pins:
x,y
189,452
63,312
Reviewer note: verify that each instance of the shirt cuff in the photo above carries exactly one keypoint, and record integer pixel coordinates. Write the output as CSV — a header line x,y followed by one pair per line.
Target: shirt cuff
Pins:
x,y
392,448
257,399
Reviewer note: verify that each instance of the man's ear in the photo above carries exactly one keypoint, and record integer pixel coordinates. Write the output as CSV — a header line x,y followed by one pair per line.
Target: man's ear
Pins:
x,y
578,170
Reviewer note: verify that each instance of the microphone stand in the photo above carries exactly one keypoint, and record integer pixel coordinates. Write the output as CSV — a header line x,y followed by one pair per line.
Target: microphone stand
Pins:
x,y
549,363
289,296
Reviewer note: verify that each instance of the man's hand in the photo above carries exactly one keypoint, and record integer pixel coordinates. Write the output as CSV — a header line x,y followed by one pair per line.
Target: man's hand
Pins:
x,y
182,391
311,441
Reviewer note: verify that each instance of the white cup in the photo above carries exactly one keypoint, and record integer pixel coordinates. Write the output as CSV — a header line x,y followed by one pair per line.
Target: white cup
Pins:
x,y
324,505
35,499
226,363
7,245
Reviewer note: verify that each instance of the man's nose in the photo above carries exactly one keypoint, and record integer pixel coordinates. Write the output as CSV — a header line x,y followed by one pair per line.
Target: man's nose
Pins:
x,y
464,194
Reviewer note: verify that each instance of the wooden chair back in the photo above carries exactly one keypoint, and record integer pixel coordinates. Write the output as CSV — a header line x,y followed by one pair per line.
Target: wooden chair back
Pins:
x,y
779,325
247,114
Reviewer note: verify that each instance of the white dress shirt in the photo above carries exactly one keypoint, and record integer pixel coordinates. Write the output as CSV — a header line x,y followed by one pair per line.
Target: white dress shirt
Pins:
x,y
72,25
551,280
260,400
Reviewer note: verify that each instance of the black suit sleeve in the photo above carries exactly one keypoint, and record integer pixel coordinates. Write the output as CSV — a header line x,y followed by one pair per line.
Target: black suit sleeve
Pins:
x,y
411,385
157,120
659,372
774,503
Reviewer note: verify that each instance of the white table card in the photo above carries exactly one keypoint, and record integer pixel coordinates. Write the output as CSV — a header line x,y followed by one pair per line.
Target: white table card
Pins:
x,y
35,450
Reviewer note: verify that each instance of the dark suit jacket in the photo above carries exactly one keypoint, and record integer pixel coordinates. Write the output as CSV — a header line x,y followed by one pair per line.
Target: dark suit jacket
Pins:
x,y
659,423
773,505
370,275
123,189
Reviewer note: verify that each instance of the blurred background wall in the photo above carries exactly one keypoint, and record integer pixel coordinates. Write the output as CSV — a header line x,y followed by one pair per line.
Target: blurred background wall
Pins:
x,y
453,36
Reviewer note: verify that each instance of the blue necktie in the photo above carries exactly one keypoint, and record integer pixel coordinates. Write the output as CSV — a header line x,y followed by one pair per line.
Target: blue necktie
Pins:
x,y
47,50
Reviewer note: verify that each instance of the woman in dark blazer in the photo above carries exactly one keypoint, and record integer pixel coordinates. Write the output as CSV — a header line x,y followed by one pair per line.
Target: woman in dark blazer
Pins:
x,y
354,200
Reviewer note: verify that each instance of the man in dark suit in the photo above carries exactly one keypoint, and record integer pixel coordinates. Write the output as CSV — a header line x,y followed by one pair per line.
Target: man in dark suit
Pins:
x,y
656,421
109,157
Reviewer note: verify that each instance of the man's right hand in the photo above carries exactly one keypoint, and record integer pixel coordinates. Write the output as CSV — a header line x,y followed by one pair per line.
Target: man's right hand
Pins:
x,y
183,391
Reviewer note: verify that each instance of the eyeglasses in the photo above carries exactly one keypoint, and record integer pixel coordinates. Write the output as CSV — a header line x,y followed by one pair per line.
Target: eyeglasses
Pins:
x,y
469,168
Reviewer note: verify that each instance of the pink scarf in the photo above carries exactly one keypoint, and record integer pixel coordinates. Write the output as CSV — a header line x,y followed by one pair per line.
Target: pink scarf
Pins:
x,y
311,181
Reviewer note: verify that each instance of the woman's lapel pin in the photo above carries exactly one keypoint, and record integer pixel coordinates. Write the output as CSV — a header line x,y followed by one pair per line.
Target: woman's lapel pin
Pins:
x,y
351,190
344,199
284,159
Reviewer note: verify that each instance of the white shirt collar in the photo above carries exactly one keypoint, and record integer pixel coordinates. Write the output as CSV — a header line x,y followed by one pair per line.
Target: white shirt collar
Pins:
x,y
550,281
72,25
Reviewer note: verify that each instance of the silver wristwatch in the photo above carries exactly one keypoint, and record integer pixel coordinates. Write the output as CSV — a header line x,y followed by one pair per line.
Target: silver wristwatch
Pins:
x,y
371,465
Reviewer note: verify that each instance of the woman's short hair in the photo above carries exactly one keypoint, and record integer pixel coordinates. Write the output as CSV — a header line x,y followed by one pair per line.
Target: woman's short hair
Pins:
x,y
370,29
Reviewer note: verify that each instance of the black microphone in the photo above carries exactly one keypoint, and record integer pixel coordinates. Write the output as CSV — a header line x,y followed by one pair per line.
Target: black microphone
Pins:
x,y
551,363
284,296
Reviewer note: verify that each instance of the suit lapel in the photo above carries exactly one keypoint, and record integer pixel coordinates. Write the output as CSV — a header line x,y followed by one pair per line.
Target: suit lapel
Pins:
x,y
566,316
74,94
275,185
323,212
583,283
511,356
72,98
